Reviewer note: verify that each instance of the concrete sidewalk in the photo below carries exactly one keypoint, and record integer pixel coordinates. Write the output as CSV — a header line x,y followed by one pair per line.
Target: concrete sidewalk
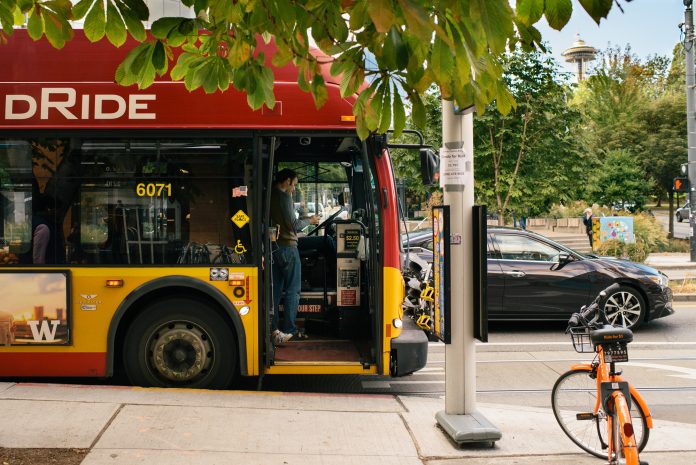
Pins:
x,y
135,426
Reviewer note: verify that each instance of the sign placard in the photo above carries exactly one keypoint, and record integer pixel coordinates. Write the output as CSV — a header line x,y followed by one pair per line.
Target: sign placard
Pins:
x,y
454,163
441,273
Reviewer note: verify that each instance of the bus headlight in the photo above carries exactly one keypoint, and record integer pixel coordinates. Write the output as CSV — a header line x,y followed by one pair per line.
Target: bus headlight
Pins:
x,y
397,323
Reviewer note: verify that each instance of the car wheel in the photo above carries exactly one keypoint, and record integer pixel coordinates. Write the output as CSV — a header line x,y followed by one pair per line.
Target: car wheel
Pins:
x,y
679,218
625,307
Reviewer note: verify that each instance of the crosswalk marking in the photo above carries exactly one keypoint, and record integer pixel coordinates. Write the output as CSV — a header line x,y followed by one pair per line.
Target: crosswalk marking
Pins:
x,y
389,384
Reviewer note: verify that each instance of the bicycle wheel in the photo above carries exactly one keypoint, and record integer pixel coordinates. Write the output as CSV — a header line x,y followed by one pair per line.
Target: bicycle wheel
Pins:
x,y
576,393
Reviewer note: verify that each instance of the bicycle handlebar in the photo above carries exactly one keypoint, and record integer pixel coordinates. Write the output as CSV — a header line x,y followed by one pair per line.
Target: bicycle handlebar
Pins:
x,y
597,305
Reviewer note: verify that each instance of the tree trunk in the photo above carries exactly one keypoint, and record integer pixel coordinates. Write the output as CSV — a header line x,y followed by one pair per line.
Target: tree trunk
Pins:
x,y
659,199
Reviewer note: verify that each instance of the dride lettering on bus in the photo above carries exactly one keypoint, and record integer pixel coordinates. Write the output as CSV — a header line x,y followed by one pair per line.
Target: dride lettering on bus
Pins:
x,y
64,101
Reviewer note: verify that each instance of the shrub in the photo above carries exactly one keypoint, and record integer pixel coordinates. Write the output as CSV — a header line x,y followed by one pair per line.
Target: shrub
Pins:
x,y
637,252
612,248
676,245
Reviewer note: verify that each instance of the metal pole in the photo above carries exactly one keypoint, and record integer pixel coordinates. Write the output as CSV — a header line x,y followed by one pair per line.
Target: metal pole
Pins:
x,y
460,419
460,355
690,121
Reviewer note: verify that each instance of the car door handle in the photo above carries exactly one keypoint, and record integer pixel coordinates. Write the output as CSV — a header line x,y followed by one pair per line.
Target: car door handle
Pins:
x,y
515,273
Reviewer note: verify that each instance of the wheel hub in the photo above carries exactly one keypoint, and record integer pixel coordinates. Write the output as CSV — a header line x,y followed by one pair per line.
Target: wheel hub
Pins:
x,y
623,309
180,352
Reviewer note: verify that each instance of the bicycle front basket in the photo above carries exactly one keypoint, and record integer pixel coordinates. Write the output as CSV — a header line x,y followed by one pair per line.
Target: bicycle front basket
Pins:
x,y
581,339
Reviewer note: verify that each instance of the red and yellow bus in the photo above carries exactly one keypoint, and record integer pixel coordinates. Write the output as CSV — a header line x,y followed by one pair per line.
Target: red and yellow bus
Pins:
x,y
135,230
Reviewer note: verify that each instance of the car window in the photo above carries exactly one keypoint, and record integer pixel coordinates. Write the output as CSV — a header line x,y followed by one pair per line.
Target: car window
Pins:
x,y
518,247
491,252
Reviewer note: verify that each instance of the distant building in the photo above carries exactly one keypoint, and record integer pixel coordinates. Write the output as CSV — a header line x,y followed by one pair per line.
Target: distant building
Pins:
x,y
39,312
59,314
581,54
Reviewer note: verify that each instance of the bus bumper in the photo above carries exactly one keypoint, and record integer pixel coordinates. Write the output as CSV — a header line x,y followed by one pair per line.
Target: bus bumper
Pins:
x,y
409,351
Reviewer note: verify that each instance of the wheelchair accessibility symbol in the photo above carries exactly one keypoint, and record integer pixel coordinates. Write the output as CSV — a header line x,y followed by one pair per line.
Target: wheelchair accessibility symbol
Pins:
x,y
239,249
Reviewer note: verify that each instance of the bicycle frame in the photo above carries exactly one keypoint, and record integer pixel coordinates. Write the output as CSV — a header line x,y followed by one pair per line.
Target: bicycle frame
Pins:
x,y
628,440
634,392
618,403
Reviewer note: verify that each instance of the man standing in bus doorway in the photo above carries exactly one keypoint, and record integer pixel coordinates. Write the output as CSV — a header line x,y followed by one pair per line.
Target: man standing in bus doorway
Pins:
x,y
286,258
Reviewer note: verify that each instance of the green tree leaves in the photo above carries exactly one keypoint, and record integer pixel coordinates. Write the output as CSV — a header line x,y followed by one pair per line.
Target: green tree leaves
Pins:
x,y
400,47
95,22
49,18
558,13
528,158
597,9
620,179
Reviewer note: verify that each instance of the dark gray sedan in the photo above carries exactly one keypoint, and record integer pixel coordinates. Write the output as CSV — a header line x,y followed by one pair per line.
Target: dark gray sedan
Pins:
x,y
531,277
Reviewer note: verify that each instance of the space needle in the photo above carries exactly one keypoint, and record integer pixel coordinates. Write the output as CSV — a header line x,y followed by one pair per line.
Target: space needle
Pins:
x,y
581,54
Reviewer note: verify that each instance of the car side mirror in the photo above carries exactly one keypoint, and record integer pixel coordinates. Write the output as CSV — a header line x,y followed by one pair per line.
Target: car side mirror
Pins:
x,y
564,258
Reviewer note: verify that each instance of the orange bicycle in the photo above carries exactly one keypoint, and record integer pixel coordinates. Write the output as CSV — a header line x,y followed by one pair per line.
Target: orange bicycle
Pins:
x,y
599,411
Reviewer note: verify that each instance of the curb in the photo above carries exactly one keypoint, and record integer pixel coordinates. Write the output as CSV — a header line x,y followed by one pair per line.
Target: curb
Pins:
x,y
684,298
672,267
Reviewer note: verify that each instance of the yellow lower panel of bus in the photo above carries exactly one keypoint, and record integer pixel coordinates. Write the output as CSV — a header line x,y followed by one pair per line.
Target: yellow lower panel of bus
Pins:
x,y
62,328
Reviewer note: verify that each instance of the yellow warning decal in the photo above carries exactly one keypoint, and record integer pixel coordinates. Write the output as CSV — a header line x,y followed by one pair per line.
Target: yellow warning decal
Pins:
x,y
240,219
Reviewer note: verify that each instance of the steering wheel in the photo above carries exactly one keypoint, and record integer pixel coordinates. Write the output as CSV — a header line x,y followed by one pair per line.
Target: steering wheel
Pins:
x,y
326,222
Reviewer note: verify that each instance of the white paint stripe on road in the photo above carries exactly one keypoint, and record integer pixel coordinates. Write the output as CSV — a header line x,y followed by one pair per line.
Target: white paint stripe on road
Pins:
x,y
569,344
687,373
428,369
388,384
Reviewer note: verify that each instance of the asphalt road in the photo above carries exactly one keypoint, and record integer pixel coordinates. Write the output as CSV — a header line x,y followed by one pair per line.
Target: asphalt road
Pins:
x,y
522,361
681,230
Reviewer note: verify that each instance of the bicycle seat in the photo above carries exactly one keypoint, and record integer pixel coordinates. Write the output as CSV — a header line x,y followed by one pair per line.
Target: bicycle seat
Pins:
x,y
609,334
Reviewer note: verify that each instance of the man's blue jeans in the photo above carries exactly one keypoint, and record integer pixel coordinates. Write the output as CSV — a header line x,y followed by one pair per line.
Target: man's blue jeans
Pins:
x,y
286,277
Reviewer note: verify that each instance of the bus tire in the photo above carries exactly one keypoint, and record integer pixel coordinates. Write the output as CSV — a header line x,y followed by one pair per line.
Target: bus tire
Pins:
x,y
180,342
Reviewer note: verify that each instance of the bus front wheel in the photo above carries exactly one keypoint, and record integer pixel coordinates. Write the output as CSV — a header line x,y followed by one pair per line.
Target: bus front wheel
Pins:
x,y
180,343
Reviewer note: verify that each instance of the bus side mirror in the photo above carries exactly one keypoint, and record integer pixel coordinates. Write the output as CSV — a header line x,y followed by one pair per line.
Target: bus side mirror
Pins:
x,y
430,167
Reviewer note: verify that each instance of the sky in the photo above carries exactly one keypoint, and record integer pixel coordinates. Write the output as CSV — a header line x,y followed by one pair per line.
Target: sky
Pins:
x,y
22,291
649,26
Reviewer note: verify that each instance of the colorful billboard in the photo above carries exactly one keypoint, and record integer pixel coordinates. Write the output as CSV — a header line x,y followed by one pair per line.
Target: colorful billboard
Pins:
x,y
617,227
35,308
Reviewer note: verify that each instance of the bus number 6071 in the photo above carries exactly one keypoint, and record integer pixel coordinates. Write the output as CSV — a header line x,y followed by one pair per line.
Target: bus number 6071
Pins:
x,y
153,189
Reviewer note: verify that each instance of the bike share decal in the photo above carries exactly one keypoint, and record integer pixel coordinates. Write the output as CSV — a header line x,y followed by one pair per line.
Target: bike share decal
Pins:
x,y
219,274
